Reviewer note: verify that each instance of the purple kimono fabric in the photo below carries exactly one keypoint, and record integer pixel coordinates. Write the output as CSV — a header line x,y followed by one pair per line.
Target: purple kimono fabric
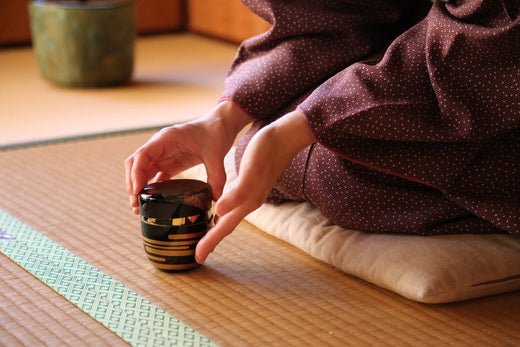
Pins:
x,y
416,108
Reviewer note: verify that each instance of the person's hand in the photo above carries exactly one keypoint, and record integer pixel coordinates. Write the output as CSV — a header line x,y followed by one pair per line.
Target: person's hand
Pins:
x,y
265,158
179,147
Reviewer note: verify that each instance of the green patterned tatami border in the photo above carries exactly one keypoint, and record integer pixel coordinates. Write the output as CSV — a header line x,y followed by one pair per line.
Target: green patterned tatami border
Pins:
x,y
128,314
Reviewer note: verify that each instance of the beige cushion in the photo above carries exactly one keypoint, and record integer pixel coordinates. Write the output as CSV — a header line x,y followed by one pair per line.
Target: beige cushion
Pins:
x,y
430,269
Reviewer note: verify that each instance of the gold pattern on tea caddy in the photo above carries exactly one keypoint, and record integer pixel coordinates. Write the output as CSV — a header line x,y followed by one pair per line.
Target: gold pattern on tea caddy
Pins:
x,y
180,221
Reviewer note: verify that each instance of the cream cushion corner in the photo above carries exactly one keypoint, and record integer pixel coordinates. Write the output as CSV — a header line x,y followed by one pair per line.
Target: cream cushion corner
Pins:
x,y
429,269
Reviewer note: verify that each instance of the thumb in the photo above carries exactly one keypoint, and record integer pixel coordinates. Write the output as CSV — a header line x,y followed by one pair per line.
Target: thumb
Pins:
x,y
232,198
216,177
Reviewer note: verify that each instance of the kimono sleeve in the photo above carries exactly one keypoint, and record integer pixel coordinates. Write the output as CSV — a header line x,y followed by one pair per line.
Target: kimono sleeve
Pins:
x,y
440,108
309,41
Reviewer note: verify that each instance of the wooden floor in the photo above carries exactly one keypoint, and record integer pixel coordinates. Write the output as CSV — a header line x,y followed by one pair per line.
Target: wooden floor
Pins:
x,y
177,77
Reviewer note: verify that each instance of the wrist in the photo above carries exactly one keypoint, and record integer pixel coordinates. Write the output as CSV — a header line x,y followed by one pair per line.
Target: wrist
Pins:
x,y
295,128
232,115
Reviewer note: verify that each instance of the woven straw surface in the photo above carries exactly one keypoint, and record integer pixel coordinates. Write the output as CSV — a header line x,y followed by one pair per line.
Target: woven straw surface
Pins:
x,y
254,290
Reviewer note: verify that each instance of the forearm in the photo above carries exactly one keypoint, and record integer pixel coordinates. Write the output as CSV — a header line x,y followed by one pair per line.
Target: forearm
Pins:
x,y
230,116
424,112
294,131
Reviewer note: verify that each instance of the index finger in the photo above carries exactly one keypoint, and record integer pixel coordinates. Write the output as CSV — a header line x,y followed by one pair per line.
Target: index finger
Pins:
x,y
142,168
139,170
128,169
225,226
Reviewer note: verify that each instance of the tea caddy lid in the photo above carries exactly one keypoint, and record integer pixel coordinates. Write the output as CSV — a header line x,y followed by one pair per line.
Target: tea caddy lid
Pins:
x,y
174,198
174,190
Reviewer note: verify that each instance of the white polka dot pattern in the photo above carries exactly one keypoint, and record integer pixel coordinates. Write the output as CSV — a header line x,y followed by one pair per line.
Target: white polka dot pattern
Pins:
x,y
309,41
422,138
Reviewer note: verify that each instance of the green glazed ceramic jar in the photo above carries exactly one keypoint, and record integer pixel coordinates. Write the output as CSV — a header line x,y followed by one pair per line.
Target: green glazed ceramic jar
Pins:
x,y
84,43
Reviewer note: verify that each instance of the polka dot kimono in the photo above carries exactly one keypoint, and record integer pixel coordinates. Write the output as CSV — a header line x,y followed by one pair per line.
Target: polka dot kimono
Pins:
x,y
416,108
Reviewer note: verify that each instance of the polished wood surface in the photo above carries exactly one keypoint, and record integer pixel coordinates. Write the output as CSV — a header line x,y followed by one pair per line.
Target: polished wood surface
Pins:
x,y
159,16
225,19
14,22
153,16
229,20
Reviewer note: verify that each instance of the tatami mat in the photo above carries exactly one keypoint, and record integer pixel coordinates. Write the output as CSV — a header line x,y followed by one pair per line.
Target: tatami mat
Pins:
x,y
253,291
177,77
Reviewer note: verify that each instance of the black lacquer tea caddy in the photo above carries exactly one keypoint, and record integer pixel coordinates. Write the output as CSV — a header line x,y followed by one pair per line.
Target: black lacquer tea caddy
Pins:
x,y
175,215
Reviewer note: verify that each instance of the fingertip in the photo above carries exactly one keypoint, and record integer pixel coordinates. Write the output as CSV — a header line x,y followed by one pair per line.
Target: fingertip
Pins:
x,y
215,194
137,189
134,204
140,174
128,175
216,189
129,188
201,252
199,260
